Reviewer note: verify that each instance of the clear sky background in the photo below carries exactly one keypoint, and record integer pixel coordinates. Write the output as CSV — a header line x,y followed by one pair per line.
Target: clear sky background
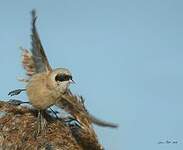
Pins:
x,y
126,57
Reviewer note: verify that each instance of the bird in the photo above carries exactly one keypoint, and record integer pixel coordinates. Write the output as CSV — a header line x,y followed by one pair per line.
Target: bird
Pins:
x,y
75,106
44,85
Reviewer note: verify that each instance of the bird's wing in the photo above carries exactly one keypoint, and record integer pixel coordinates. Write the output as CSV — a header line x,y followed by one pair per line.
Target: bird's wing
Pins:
x,y
74,105
38,55
28,62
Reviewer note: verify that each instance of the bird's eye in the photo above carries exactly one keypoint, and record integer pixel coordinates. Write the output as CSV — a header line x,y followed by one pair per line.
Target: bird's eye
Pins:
x,y
63,77
60,78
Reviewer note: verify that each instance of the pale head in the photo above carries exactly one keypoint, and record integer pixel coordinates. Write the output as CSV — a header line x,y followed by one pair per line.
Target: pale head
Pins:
x,y
61,78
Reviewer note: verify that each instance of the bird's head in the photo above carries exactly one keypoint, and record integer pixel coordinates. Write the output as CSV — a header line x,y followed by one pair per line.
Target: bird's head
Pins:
x,y
61,78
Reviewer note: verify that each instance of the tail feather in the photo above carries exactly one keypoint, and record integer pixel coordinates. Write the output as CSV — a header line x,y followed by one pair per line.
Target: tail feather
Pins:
x,y
102,123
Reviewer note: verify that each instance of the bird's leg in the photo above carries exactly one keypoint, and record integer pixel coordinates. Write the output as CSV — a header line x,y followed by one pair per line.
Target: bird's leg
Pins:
x,y
41,122
16,92
38,122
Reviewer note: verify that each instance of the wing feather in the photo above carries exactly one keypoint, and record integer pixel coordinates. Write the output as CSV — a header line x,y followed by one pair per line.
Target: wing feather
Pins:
x,y
28,62
38,54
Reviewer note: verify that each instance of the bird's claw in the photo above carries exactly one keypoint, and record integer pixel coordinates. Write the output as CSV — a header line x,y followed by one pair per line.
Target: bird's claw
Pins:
x,y
15,92
15,102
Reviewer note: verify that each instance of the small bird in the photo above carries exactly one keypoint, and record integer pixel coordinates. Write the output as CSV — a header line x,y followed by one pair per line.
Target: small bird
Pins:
x,y
75,106
45,85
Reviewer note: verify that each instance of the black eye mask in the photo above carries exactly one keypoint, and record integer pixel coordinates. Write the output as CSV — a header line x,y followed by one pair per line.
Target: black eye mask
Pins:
x,y
63,77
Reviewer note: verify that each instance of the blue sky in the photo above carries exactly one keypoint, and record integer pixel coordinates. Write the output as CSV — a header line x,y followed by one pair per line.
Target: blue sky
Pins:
x,y
126,57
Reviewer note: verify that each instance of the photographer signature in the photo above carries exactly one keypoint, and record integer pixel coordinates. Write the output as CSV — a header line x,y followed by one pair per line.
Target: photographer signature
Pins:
x,y
168,142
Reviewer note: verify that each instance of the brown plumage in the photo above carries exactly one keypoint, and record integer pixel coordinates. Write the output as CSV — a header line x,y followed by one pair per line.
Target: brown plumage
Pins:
x,y
45,85
28,63
37,63
74,105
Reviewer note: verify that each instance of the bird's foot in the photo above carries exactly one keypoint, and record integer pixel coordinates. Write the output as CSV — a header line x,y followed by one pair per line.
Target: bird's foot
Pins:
x,y
16,102
16,92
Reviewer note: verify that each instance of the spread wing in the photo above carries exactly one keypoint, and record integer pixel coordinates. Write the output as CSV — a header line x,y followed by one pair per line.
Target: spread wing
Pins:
x,y
36,60
38,54
28,62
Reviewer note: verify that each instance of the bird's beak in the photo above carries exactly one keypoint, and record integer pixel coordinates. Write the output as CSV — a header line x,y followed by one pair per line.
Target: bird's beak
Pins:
x,y
72,81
